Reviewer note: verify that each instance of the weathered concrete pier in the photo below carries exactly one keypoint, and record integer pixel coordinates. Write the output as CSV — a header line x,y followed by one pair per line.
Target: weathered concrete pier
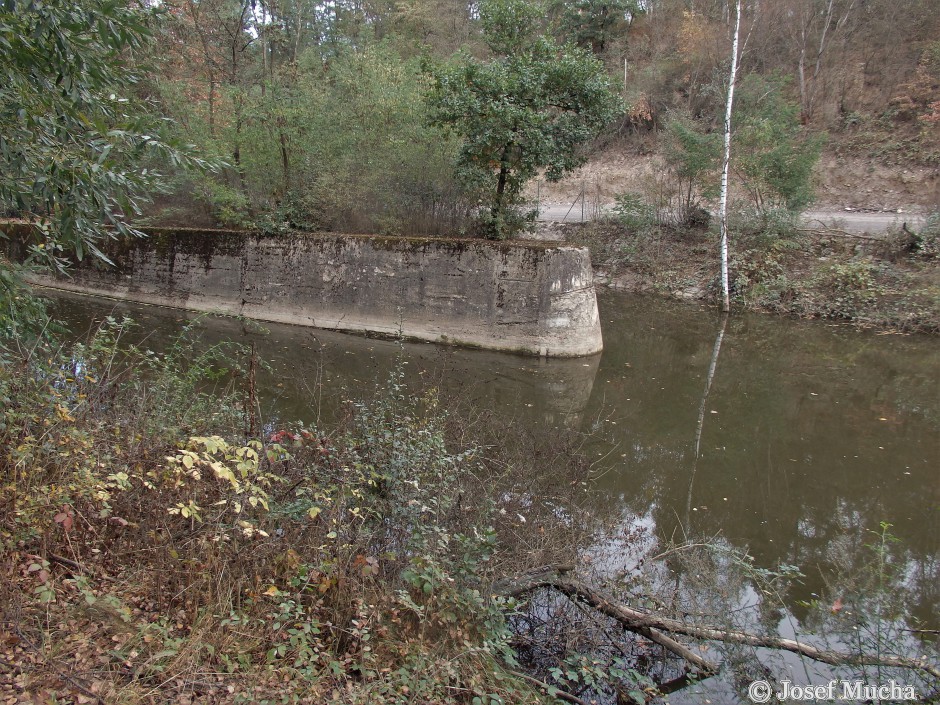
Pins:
x,y
527,297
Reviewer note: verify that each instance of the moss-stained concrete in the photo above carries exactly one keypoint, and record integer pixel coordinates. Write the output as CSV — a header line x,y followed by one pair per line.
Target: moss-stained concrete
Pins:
x,y
530,297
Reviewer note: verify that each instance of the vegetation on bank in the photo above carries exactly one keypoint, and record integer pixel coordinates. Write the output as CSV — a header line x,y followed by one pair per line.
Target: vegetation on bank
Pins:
x,y
155,552
778,265
158,543
430,118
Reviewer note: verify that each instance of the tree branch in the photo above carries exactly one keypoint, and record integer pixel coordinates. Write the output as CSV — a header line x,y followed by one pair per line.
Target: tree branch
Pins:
x,y
649,624
555,577
557,693
835,232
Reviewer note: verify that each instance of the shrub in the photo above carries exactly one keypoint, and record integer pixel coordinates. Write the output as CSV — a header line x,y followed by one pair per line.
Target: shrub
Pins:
x,y
774,156
849,288
927,240
635,212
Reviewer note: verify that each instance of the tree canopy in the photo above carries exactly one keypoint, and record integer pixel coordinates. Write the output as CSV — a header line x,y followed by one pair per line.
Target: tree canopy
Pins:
x,y
530,107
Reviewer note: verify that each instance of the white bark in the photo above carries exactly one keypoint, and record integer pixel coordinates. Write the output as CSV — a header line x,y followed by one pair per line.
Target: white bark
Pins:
x,y
701,416
726,163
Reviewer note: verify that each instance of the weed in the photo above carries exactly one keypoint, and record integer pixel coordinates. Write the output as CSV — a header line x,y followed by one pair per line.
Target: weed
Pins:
x,y
927,239
635,213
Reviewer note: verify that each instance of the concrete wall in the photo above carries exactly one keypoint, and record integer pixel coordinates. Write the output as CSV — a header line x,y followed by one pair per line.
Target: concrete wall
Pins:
x,y
526,297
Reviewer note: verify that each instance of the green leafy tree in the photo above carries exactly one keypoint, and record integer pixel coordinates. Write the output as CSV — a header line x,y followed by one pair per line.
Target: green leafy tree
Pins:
x,y
593,24
530,107
78,152
774,156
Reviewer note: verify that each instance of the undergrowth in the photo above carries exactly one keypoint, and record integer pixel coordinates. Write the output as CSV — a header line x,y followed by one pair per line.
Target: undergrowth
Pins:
x,y
155,553
890,283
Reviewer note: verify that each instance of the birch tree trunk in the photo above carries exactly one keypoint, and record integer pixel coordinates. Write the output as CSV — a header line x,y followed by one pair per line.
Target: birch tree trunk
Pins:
x,y
726,163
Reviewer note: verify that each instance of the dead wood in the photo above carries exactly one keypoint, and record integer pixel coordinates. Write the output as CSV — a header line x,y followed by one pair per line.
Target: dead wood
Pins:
x,y
835,232
651,625
560,694
555,577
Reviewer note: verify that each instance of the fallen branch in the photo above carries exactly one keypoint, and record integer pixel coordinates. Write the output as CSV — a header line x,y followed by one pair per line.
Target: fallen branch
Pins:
x,y
638,620
835,232
78,567
554,576
68,563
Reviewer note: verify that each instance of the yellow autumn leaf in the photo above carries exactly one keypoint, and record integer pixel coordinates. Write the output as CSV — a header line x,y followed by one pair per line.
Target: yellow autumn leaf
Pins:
x,y
63,413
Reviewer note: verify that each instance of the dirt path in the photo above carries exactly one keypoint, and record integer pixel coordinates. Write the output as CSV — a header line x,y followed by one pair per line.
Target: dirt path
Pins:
x,y
855,194
861,221
851,221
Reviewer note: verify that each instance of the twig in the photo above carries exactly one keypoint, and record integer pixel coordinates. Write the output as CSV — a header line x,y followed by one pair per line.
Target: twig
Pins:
x,y
842,233
78,567
560,694
68,563
64,676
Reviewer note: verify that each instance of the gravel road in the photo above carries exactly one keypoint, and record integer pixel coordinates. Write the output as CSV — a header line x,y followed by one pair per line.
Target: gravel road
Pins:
x,y
852,221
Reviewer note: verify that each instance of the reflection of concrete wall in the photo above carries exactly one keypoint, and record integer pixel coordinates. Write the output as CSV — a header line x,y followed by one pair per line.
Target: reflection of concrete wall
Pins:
x,y
308,372
526,297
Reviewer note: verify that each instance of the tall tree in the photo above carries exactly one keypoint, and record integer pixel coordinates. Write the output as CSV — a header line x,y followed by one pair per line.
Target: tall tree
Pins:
x,y
815,24
593,24
530,107
726,164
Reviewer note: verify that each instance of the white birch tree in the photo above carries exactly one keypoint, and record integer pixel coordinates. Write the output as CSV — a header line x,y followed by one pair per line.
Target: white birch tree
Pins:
x,y
726,163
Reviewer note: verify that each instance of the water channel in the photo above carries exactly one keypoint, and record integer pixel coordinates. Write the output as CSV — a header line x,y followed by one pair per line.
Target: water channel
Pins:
x,y
809,436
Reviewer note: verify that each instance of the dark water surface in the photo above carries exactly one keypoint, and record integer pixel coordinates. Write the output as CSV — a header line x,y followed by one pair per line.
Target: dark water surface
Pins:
x,y
809,437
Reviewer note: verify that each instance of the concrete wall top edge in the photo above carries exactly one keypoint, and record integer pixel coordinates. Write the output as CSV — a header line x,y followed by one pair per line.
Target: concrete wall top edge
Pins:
x,y
14,227
406,240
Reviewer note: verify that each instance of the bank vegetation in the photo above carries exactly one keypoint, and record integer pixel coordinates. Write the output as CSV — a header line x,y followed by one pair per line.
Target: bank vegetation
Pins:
x,y
885,282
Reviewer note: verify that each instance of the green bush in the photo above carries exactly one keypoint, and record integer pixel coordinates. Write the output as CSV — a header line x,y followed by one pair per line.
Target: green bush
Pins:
x,y
927,240
634,212
850,277
849,289
693,157
761,228
772,154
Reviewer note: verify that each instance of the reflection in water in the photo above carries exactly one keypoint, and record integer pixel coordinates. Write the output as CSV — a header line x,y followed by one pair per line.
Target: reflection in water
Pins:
x,y
814,435
309,372
701,414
